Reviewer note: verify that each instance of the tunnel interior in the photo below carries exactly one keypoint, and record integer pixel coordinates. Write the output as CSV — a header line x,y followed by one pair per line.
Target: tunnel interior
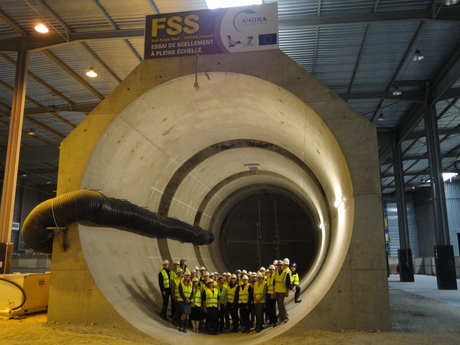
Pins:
x,y
206,158
267,226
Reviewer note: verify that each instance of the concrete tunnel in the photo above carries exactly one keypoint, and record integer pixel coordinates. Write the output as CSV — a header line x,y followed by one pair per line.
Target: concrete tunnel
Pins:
x,y
260,126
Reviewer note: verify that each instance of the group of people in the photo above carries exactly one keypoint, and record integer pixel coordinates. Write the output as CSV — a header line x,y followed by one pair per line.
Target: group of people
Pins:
x,y
227,301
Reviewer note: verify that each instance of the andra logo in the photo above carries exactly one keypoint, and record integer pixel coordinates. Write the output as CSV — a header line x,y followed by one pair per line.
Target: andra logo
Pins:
x,y
247,17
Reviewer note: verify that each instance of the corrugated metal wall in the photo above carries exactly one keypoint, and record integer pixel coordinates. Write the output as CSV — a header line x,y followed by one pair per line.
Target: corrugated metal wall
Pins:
x,y
393,229
453,213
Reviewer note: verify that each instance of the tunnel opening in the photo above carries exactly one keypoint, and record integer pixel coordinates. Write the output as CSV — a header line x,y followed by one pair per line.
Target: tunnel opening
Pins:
x,y
267,226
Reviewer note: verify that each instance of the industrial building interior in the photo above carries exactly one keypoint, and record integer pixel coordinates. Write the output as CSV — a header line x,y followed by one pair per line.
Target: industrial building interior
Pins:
x,y
392,61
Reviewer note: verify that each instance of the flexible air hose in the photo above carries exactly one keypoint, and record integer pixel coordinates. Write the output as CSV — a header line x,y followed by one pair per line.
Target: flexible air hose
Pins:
x,y
89,205
24,297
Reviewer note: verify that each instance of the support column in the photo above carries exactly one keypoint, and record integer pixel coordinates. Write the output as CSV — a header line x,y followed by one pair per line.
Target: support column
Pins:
x,y
443,250
12,153
406,266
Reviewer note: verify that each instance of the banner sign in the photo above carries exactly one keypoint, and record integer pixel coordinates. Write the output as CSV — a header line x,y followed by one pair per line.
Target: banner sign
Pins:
x,y
223,30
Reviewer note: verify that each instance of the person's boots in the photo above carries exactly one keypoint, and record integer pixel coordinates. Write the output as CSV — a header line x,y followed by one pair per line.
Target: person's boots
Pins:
x,y
181,323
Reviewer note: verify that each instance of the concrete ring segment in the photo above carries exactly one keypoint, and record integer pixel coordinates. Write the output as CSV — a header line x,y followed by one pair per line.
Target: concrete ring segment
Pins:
x,y
150,140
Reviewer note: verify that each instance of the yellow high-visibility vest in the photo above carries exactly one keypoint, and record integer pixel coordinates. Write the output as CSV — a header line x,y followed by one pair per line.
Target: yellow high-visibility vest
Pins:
x,y
280,282
186,289
259,291
270,284
231,294
177,281
212,298
295,279
196,298
243,295
165,278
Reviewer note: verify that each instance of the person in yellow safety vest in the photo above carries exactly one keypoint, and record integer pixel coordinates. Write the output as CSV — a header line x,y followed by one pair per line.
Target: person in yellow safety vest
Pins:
x,y
163,281
195,316
172,278
175,292
252,308
270,299
201,276
282,284
295,283
184,300
260,291
231,306
227,278
204,280
223,303
262,270
183,265
211,306
244,298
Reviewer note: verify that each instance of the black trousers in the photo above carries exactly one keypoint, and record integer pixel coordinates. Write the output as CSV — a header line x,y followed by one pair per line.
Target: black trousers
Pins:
x,y
244,313
166,298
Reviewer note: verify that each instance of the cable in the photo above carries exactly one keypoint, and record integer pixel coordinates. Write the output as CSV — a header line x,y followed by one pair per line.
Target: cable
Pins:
x,y
20,288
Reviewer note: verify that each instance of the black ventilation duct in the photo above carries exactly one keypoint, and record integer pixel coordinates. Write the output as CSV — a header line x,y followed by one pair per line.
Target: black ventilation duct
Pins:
x,y
89,205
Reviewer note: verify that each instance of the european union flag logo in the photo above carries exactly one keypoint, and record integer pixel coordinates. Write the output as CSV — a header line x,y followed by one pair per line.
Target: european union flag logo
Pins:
x,y
267,39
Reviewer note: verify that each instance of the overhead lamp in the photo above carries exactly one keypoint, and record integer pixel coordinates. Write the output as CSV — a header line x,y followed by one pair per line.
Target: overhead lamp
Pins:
x,y
418,56
450,2
24,174
381,117
396,92
31,132
91,73
41,28
48,182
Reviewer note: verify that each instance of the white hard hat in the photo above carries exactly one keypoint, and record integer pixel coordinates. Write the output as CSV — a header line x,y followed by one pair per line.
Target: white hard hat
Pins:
x,y
187,273
183,259
262,269
286,261
259,275
215,274
271,267
275,262
203,268
206,273
244,272
245,277
176,263
253,274
233,276
195,279
179,270
165,262
280,262
197,268
210,281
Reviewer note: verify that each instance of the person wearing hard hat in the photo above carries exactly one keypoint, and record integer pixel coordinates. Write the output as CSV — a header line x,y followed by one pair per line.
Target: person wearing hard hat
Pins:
x,y
184,300
163,281
183,265
175,292
252,308
211,307
282,285
223,303
195,316
201,276
244,296
231,305
172,279
260,291
295,283
270,299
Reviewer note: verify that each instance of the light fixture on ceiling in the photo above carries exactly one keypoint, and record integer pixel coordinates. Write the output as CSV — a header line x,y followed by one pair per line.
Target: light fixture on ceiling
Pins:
x,y
418,56
91,73
24,174
450,2
381,117
212,4
48,182
41,28
31,132
396,92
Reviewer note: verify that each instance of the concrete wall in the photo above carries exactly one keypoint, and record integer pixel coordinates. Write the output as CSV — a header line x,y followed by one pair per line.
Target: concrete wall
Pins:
x,y
361,286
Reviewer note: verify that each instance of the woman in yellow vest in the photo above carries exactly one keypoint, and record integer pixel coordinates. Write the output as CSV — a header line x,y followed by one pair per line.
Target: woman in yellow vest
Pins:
x,y
211,307
195,316
184,300
260,290
223,303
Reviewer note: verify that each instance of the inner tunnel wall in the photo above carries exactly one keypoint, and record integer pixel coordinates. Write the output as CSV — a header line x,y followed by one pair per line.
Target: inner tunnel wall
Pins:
x,y
361,288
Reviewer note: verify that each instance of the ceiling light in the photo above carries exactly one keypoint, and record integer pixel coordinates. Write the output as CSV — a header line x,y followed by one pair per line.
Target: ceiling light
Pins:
x,y
418,56
212,4
31,132
41,28
381,117
48,182
450,2
91,73
396,91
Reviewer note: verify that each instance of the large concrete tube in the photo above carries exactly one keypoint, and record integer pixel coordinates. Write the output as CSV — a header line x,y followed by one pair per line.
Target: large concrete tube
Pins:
x,y
186,153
